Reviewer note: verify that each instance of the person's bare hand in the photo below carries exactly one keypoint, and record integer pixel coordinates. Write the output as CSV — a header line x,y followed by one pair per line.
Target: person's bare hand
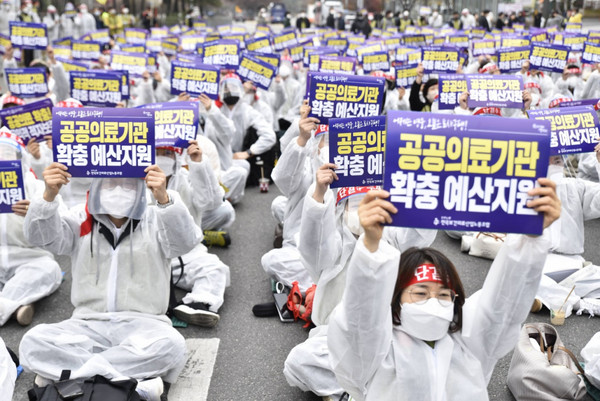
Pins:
x,y
374,211
194,151
324,178
20,208
55,176
547,201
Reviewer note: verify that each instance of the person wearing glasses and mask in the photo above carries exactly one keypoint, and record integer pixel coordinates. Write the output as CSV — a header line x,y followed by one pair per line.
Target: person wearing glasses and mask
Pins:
x,y
404,330
121,251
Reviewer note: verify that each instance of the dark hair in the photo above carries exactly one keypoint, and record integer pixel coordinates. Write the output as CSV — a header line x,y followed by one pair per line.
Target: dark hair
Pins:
x,y
431,82
410,260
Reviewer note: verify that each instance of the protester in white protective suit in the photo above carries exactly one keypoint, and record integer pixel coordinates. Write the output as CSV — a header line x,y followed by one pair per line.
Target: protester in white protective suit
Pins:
x,y
570,83
293,175
255,99
84,21
199,272
328,234
403,330
580,202
8,14
468,19
52,21
27,273
120,252
67,22
244,117
293,93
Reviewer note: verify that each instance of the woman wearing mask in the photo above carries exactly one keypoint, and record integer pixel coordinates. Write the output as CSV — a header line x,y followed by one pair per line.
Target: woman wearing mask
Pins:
x,y
404,330
429,91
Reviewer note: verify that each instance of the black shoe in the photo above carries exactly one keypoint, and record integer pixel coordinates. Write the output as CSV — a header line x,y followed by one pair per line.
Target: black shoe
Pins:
x,y
265,310
278,241
196,313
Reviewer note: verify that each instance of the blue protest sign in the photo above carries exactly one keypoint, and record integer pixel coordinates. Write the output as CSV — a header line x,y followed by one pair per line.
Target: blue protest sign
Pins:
x,y
195,79
379,61
449,172
591,53
27,82
547,57
573,129
505,91
258,71
440,60
96,88
260,44
483,47
12,189
30,121
406,75
356,147
28,35
511,59
337,65
175,123
103,142
451,86
134,63
223,53
344,96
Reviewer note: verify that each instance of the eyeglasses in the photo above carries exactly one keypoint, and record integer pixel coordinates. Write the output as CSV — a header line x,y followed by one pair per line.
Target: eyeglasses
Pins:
x,y
420,295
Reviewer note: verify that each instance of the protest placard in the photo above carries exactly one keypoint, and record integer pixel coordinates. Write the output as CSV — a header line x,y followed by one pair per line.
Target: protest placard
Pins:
x,y
175,123
464,172
28,35
591,53
96,88
547,57
27,82
379,61
337,65
103,142
504,91
344,96
12,188
356,147
406,75
223,53
258,71
134,63
511,59
195,79
82,50
440,60
30,121
451,86
573,129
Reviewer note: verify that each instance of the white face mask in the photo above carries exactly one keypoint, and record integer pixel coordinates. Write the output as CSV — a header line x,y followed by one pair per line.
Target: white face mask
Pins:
x,y
431,95
351,218
535,99
555,172
166,164
429,321
7,153
117,202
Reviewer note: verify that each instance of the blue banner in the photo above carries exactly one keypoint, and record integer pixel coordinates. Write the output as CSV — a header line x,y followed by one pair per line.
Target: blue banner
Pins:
x,y
194,79
356,147
504,91
285,40
27,82
103,142
28,35
12,188
96,88
451,86
33,120
591,53
379,61
175,123
406,75
449,172
440,60
337,65
223,53
258,71
511,59
136,36
261,44
101,35
82,50
344,96
584,102
483,47
134,63
546,57
573,129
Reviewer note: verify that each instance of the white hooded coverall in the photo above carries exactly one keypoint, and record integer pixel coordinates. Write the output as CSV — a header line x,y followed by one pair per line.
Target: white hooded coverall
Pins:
x,y
120,293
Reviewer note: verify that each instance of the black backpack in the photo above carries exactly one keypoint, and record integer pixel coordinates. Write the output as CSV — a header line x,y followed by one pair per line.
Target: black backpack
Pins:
x,y
97,388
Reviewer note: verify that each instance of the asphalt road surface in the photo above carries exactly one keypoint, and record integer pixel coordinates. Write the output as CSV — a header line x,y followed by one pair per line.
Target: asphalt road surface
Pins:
x,y
252,351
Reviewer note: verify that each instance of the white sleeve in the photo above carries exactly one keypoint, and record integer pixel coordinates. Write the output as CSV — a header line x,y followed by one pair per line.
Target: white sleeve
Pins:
x,y
492,317
320,243
8,373
266,135
207,194
290,171
176,229
61,88
360,328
